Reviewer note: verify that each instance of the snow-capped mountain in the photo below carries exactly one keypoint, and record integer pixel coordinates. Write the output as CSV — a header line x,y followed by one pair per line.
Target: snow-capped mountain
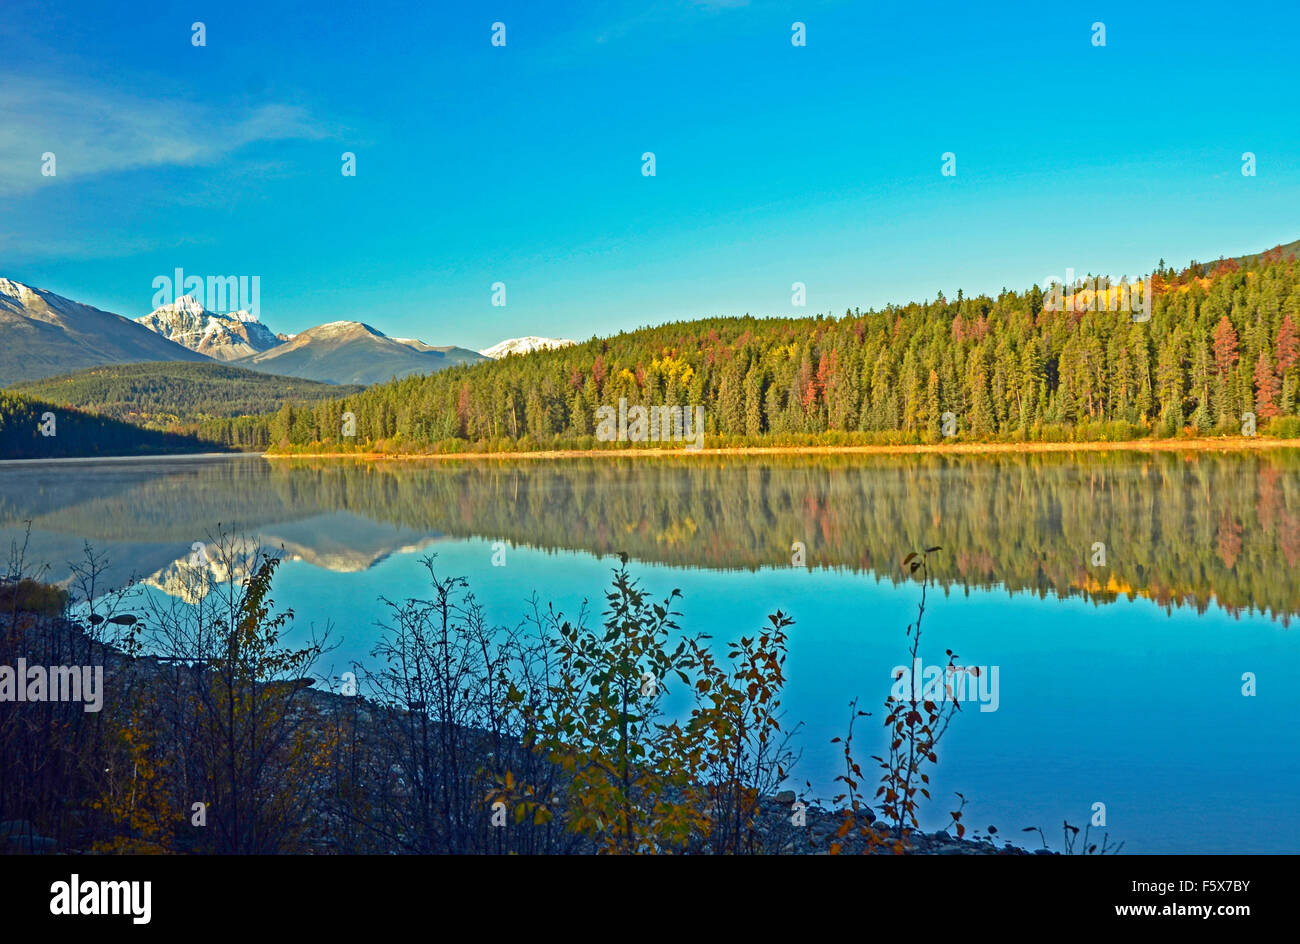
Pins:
x,y
44,334
524,346
224,336
351,352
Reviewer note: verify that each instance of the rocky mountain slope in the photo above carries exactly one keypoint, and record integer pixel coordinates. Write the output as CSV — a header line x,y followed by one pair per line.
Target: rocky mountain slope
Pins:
x,y
222,336
44,334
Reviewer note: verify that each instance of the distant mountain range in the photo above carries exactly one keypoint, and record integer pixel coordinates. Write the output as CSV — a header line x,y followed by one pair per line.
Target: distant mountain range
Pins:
x,y
350,352
341,352
45,335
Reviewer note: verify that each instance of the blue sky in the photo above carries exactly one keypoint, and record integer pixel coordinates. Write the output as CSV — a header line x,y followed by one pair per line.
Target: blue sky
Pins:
x,y
522,164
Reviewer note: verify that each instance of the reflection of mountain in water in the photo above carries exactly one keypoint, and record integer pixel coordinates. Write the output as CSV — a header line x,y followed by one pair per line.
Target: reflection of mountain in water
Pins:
x,y
339,541
191,578
342,541
1181,530
144,517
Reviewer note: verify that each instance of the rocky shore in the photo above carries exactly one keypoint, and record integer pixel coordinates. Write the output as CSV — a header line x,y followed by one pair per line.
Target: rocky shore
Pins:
x,y
776,830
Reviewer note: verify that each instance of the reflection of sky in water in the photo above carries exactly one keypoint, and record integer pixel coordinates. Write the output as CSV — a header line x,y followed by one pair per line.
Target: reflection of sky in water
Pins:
x,y
1120,704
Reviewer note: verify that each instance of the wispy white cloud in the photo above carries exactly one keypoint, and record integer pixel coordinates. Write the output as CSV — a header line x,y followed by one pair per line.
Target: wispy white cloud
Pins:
x,y
71,244
102,131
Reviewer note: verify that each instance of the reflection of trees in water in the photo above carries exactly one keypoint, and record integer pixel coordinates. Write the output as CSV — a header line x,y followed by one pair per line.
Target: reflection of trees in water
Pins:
x,y
141,501
1181,530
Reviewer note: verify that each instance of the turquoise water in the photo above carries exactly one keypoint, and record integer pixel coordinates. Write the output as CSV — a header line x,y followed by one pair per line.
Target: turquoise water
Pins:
x,y
1121,704
1102,697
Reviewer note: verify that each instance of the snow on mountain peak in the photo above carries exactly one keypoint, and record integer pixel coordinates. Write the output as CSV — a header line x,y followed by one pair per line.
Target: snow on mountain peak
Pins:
x,y
338,328
223,335
14,289
524,346
187,303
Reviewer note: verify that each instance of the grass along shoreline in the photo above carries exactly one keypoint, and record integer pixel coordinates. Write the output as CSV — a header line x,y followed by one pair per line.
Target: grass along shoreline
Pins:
x,y
1193,444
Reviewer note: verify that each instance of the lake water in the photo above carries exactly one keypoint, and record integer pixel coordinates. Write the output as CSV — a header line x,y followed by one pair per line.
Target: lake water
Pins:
x,y
1118,682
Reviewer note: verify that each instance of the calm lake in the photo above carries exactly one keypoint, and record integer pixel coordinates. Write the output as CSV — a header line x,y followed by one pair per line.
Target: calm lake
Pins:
x,y
1121,597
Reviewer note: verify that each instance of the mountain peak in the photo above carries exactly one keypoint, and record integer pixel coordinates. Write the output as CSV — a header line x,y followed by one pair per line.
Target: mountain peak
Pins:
x,y
224,336
353,352
29,296
14,289
46,334
339,329
525,345
189,303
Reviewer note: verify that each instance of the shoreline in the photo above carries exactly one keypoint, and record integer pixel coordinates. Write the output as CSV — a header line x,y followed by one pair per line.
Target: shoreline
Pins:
x,y
320,711
147,457
1199,444
1191,445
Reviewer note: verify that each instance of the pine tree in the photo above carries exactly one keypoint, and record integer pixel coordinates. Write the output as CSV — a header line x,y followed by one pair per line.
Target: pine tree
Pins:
x,y
731,401
1267,387
1287,346
981,420
754,425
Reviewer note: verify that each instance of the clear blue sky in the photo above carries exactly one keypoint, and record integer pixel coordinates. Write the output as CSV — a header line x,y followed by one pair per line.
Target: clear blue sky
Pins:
x,y
522,164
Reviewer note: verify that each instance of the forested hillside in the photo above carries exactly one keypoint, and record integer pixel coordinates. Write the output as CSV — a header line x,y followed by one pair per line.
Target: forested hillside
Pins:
x,y
165,395
34,429
1222,341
